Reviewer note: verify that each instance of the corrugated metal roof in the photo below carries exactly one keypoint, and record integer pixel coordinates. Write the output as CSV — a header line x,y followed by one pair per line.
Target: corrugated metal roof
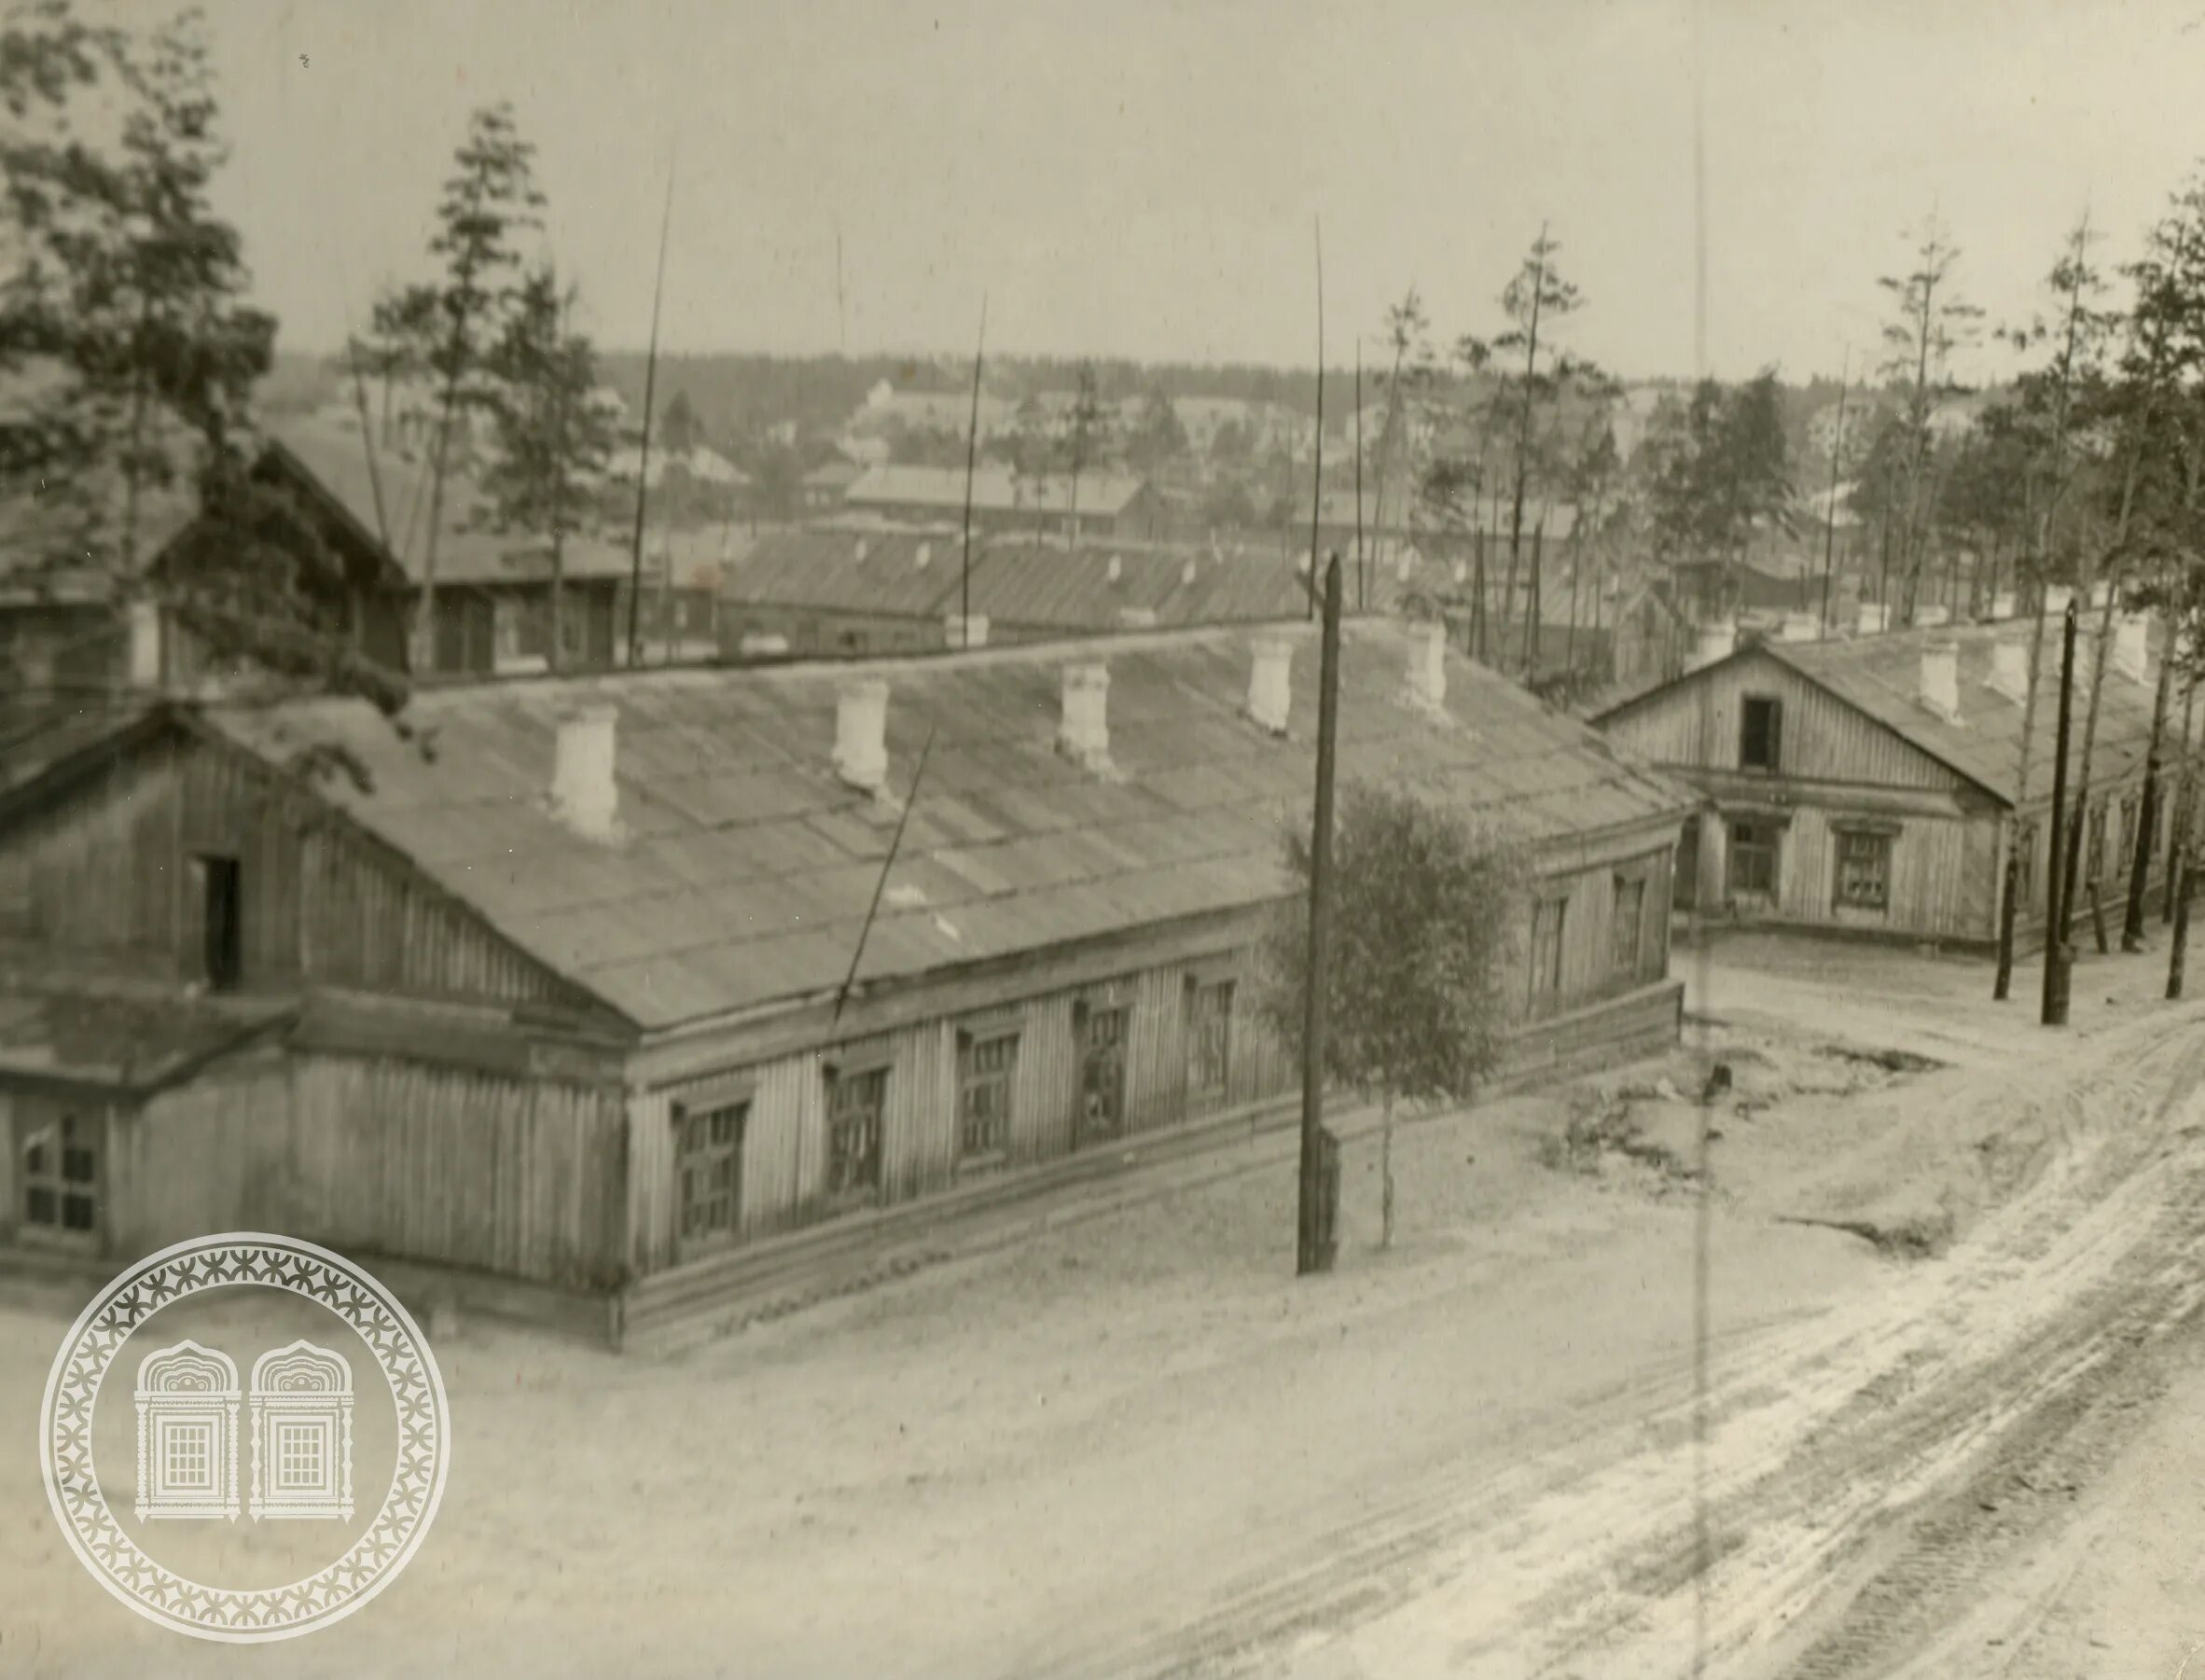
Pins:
x,y
1881,675
727,901
842,571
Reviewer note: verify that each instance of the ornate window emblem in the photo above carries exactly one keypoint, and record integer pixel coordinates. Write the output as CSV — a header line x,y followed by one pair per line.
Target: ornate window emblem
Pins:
x,y
302,1433
187,1399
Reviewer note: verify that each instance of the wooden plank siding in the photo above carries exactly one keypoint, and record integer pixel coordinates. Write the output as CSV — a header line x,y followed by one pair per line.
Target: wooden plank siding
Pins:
x,y
1837,768
1695,726
109,872
784,1148
379,1156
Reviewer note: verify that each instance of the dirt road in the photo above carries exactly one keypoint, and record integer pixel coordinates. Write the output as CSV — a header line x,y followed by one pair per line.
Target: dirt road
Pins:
x,y
1139,1447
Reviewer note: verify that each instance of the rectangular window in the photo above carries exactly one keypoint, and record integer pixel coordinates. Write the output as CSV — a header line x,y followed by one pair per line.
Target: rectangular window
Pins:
x,y
222,922
187,1456
1863,870
1101,1073
856,1104
987,1069
1209,1038
1752,859
298,1456
1546,945
1629,919
1760,733
708,1171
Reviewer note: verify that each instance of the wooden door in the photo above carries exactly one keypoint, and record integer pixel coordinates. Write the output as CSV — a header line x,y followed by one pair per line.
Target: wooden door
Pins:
x,y
60,1173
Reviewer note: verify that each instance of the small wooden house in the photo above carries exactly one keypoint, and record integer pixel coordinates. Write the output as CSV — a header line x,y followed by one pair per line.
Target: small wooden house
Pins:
x,y
548,990
1871,784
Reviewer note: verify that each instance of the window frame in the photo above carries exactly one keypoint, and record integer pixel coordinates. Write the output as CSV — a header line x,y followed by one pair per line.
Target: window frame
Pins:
x,y
1734,847
1224,989
705,1108
874,1072
972,1043
1773,737
1634,883
1883,841
1546,969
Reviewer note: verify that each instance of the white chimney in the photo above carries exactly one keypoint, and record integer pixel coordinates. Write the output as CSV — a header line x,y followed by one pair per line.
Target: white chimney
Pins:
x,y
1136,618
144,620
861,549
923,556
1186,575
759,645
2001,605
2133,646
1940,678
1083,733
2009,668
1717,641
1427,662
1870,618
2101,593
1461,571
2057,596
584,793
1269,695
1401,569
1801,626
861,734
964,630
1931,617
1117,568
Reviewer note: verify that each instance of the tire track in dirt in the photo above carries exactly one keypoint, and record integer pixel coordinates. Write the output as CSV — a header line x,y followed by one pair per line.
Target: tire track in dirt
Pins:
x,y
1793,1404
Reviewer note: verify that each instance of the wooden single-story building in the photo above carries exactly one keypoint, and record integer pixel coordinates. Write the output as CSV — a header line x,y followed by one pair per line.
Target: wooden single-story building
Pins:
x,y
1870,784
543,988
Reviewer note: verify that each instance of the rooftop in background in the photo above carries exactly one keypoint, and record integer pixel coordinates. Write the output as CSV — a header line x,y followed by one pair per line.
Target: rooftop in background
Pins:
x,y
469,550
748,867
994,489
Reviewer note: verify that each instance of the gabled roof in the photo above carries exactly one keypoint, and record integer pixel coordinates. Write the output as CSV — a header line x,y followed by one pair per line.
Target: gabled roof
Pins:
x,y
847,571
335,461
748,867
1880,677
994,489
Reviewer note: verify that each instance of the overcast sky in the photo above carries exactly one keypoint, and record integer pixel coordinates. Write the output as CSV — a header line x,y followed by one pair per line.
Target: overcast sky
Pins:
x,y
1140,177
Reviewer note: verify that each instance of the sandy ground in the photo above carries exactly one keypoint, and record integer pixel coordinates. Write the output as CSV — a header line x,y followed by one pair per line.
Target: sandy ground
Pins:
x,y
1138,1444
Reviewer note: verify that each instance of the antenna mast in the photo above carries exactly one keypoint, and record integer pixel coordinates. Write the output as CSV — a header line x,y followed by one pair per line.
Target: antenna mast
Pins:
x,y
643,467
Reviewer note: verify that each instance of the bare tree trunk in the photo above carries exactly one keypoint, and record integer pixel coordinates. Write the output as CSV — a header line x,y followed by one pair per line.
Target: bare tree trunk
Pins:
x,y
1386,1171
2008,906
2147,809
2102,642
2178,948
2183,778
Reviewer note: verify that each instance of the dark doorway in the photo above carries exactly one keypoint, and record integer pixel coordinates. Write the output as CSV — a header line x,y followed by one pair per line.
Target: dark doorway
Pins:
x,y
222,923
1102,1075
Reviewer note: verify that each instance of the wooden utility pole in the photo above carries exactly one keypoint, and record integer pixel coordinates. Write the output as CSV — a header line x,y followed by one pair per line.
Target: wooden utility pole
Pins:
x,y
1320,1187
642,464
972,456
2056,954
1317,477
1830,514
1362,565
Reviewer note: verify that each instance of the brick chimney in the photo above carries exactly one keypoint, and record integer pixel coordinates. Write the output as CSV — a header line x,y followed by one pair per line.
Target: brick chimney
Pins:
x,y
861,734
1717,641
1270,693
1083,735
1940,678
585,795
142,620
